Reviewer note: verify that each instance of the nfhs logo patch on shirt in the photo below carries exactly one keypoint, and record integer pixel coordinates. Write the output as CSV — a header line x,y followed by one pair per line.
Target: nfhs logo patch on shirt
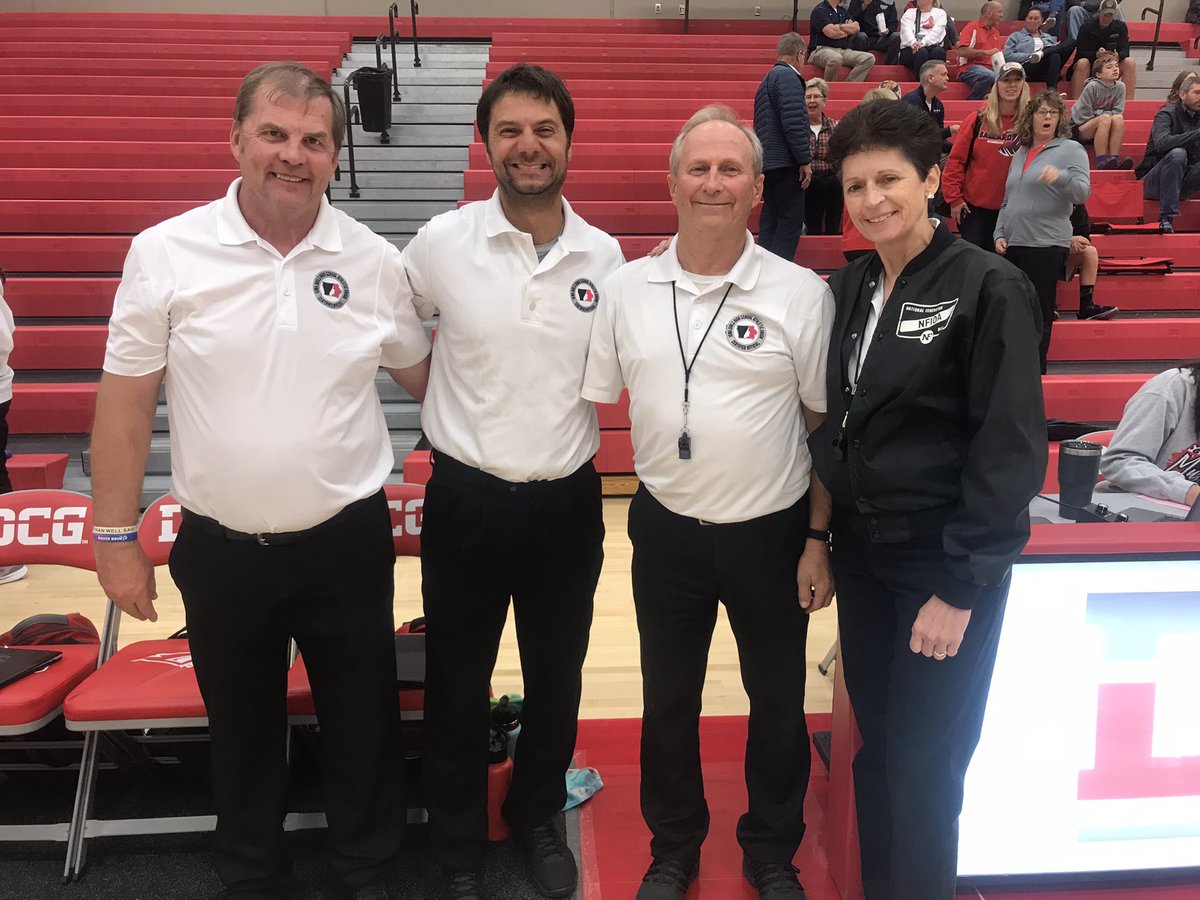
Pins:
x,y
584,295
331,289
745,332
924,321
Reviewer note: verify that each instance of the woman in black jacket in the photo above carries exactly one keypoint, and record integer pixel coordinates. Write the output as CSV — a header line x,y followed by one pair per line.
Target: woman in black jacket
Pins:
x,y
933,446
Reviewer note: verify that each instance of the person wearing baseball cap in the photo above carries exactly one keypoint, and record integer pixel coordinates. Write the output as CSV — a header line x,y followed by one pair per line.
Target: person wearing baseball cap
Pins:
x,y
1104,31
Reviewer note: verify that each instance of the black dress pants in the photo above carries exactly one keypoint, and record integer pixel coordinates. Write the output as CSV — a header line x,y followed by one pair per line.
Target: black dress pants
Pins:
x,y
782,217
1044,267
332,592
919,718
483,542
1049,67
681,569
823,205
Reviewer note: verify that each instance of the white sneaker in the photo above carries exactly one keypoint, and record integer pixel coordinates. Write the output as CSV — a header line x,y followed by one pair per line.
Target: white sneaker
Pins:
x,y
12,573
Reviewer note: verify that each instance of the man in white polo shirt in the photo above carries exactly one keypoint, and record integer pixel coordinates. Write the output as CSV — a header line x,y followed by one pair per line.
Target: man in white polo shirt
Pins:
x,y
513,509
270,312
722,346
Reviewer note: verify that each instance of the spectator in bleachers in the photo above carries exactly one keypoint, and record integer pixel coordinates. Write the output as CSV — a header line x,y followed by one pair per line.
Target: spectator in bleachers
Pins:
x,y
932,447
1103,32
1156,447
1173,90
837,40
894,86
823,199
1170,166
922,33
279,451
727,512
934,80
7,573
781,123
1078,12
513,513
1084,258
1098,118
1041,54
1047,179
973,180
877,20
981,51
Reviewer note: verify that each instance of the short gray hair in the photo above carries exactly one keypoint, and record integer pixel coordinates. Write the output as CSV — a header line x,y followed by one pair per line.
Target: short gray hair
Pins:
x,y
928,66
820,84
292,80
790,44
717,113
988,5
1188,83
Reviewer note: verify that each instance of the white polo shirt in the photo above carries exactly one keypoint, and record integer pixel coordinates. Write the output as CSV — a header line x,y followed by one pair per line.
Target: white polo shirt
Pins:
x,y
271,360
764,355
504,390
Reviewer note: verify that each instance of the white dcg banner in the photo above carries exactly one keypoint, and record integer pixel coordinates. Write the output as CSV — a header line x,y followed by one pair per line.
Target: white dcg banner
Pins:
x,y
1090,755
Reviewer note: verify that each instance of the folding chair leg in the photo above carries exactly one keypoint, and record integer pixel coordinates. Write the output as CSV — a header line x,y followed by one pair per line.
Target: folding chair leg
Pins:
x,y
83,801
823,666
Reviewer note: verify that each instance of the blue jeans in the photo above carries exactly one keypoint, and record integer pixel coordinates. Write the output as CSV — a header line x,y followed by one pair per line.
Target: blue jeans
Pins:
x,y
1170,180
979,79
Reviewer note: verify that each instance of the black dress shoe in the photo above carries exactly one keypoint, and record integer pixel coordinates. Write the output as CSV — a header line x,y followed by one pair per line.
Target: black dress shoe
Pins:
x,y
773,881
551,863
668,879
460,884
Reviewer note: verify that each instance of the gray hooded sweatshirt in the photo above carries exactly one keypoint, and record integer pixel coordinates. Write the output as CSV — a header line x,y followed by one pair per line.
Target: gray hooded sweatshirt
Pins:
x,y
1039,215
1155,450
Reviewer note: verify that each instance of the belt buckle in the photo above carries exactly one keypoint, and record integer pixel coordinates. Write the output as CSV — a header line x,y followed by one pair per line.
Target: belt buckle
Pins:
x,y
261,537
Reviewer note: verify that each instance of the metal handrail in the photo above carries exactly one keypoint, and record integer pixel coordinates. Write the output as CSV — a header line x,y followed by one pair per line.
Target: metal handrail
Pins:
x,y
1158,13
351,113
795,13
416,47
392,12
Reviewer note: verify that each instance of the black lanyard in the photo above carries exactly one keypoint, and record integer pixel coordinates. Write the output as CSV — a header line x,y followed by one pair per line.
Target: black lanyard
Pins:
x,y
685,440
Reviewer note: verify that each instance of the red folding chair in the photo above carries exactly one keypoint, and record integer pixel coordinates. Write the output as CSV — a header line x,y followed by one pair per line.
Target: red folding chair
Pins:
x,y
44,527
146,685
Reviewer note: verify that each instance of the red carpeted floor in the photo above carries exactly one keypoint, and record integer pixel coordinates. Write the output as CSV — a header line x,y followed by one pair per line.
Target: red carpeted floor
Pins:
x,y
615,842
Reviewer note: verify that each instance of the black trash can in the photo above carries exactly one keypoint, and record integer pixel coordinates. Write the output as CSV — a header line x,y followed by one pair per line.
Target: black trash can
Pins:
x,y
374,87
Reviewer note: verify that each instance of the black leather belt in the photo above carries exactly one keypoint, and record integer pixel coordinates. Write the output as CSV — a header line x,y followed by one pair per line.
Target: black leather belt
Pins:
x,y
277,538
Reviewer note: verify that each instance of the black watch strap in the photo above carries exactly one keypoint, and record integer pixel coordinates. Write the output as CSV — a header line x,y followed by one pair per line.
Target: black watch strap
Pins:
x,y
817,535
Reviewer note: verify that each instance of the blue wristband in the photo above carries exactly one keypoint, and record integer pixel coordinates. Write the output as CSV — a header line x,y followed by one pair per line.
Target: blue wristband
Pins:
x,y
114,538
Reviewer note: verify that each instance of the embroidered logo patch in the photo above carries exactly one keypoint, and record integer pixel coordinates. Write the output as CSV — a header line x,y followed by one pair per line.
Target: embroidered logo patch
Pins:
x,y
585,295
924,321
331,289
745,332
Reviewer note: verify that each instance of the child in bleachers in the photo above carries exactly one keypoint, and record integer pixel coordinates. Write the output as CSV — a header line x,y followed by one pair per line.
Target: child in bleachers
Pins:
x,y
1085,259
1098,115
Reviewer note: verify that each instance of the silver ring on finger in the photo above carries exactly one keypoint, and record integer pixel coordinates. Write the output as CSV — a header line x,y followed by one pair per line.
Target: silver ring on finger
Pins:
x,y
937,655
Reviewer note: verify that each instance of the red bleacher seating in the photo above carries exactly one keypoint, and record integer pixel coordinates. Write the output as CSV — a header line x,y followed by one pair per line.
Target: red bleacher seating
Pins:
x,y
37,471
116,184
150,68
60,297
23,154
60,347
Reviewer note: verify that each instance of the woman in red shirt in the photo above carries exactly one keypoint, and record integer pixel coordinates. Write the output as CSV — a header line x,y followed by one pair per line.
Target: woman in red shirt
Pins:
x,y
973,181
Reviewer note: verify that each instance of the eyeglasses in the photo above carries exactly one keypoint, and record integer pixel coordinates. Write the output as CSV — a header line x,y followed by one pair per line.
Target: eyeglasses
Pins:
x,y
1047,112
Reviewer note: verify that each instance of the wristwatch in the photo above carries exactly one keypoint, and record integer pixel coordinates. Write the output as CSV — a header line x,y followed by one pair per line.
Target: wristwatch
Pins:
x,y
815,534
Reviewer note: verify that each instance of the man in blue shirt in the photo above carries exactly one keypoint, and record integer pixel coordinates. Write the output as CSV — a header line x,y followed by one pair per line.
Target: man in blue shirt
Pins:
x,y
837,40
